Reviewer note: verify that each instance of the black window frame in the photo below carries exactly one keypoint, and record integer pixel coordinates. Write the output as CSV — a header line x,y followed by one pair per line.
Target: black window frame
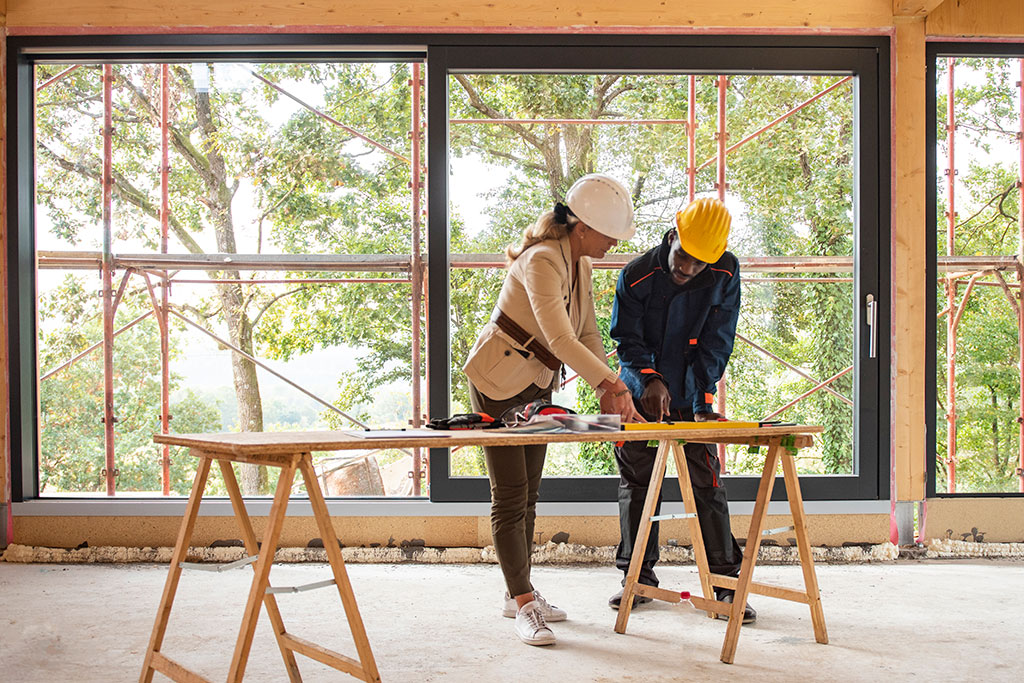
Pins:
x,y
866,57
933,52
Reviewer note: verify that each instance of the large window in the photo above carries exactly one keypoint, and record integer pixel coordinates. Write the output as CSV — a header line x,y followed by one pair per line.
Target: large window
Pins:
x,y
976,219
252,265
260,255
794,153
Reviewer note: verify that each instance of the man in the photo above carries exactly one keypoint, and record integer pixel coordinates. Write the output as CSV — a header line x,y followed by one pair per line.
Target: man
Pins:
x,y
674,320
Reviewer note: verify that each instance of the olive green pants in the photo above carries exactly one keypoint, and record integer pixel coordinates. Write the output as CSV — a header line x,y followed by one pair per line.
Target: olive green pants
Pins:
x,y
515,473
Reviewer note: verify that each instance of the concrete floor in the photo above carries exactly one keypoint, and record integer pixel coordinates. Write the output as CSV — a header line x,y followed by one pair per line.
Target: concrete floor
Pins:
x,y
929,621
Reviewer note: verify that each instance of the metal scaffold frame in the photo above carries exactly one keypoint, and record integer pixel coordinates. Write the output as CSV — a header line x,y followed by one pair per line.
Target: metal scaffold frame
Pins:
x,y
167,268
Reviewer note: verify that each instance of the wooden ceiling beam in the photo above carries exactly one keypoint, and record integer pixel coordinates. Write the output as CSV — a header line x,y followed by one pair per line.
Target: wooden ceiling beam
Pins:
x,y
914,8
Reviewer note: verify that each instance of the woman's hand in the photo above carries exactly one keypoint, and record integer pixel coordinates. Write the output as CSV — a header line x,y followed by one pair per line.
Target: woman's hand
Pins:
x,y
616,400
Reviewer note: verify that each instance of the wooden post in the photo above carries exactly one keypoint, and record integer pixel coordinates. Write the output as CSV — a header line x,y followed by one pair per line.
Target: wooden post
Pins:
x,y
909,260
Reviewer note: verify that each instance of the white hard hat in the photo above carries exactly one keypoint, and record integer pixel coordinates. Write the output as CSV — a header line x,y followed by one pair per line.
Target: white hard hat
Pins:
x,y
603,203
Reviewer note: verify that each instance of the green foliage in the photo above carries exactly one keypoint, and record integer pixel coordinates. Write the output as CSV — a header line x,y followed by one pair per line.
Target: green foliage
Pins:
x,y
252,172
598,457
72,454
987,388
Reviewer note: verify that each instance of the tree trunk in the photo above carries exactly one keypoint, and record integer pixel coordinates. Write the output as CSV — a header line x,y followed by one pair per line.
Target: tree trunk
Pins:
x,y
997,461
253,479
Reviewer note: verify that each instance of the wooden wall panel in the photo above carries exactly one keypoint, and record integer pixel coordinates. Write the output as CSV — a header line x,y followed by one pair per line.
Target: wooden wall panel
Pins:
x,y
979,18
442,532
995,18
261,15
4,412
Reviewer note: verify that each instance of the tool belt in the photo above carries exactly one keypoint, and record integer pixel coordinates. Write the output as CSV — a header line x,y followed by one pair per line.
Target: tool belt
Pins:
x,y
526,340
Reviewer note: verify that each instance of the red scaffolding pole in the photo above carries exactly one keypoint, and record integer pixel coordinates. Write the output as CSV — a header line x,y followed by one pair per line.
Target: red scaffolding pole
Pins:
x,y
56,78
109,469
723,85
417,276
691,140
951,285
1020,281
165,289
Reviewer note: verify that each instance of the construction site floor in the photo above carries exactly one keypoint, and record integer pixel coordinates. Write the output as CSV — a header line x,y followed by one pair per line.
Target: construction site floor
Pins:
x,y
945,620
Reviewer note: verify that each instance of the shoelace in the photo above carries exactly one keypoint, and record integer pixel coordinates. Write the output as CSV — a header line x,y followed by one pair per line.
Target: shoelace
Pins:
x,y
536,619
544,605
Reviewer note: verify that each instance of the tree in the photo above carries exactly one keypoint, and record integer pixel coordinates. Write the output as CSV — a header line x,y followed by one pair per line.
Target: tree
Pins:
x,y
223,140
313,188
794,182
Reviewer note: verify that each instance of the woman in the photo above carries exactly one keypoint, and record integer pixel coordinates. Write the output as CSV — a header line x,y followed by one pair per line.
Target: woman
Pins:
x,y
544,317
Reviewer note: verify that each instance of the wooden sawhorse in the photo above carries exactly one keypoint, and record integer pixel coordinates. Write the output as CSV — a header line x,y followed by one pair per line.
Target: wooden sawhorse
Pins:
x,y
262,557
779,448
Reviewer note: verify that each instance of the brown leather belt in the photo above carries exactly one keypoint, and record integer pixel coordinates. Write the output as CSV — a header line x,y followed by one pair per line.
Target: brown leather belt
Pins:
x,y
526,340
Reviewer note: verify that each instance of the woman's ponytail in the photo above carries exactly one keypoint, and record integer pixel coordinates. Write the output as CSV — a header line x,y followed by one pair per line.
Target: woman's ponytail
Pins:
x,y
551,225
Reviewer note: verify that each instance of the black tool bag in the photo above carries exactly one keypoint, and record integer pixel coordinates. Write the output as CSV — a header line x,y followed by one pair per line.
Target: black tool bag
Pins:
x,y
466,421
523,413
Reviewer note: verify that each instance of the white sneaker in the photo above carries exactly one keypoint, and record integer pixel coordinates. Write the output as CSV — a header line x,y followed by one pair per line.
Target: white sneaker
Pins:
x,y
551,612
531,627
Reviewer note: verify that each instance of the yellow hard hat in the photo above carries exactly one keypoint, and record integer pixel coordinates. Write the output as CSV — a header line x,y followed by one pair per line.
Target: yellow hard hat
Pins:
x,y
703,229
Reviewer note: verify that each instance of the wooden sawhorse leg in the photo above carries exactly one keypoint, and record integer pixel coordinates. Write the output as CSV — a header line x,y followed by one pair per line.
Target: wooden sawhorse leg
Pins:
x,y
253,549
365,668
154,660
745,584
803,544
632,585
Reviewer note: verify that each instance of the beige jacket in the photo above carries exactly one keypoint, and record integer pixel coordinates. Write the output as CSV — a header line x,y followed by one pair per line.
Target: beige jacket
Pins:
x,y
535,295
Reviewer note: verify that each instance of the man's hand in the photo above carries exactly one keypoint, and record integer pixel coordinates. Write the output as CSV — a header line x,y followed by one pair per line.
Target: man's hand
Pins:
x,y
709,417
655,400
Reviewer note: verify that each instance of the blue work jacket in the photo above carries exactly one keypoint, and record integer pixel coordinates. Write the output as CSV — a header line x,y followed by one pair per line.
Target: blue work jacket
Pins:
x,y
680,334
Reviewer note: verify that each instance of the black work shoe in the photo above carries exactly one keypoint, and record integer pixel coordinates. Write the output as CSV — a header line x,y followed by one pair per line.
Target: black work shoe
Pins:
x,y
726,595
616,600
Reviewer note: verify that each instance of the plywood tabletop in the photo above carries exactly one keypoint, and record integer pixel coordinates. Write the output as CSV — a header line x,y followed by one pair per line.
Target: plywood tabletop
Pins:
x,y
270,443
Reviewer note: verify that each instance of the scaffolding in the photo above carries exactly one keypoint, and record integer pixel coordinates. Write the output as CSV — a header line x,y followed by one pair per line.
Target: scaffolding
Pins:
x,y
970,274
167,269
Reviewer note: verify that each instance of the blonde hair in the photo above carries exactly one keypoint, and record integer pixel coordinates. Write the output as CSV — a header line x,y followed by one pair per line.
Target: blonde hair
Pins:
x,y
547,227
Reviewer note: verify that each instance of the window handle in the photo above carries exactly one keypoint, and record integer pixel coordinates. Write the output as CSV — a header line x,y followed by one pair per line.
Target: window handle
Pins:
x,y
872,310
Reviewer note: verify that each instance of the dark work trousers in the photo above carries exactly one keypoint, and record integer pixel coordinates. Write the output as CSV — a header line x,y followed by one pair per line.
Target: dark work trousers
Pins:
x,y
636,463
515,473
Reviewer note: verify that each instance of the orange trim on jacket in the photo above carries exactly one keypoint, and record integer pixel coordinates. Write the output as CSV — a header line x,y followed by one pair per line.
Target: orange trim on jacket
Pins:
x,y
644,277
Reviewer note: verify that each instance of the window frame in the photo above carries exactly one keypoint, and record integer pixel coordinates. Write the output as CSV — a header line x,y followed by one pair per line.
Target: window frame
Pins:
x,y
22,54
865,56
933,52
